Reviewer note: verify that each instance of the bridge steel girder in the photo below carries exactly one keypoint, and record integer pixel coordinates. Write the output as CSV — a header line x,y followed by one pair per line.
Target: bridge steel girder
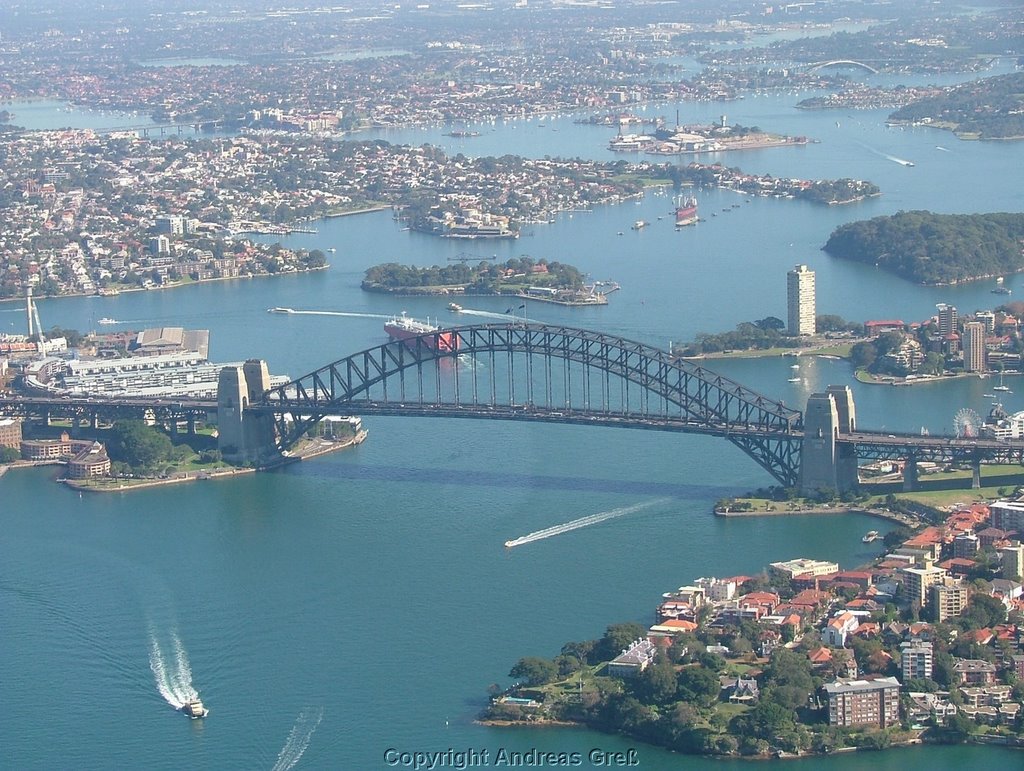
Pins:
x,y
954,451
706,401
40,408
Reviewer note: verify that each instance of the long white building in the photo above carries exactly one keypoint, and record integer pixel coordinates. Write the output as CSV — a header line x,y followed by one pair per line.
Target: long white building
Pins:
x,y
174,375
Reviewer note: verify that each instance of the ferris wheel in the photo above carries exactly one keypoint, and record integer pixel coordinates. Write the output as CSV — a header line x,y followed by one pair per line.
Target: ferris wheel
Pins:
x,y
966,423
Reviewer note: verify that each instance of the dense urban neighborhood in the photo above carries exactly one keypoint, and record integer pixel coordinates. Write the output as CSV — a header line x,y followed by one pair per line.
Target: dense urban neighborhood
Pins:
x,y
923,643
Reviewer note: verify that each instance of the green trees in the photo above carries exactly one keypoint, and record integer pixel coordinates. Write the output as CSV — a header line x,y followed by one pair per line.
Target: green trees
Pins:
x,y
617,637
989,108
934,248
698,685
656,684
533,670
139,445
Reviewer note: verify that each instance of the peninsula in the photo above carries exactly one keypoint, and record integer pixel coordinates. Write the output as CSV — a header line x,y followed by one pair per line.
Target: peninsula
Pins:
x,y
990,108
807,658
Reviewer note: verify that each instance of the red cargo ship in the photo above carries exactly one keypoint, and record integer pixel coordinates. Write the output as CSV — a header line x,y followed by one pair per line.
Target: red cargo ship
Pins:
x,y
686,211
404,328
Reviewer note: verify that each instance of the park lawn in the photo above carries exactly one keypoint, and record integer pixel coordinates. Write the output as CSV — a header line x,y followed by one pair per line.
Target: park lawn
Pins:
x,y
729,709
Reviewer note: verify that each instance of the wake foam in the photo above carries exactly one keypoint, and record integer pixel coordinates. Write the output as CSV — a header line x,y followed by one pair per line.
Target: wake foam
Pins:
x,y
299,737
171,670
576,524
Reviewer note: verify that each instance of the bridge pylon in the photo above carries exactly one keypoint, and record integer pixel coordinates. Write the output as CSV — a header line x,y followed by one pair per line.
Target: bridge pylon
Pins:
x,y
244,436
825,464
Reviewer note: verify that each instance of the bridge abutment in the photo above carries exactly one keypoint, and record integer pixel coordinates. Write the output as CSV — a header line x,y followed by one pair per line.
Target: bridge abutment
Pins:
x,y
825,464
244,437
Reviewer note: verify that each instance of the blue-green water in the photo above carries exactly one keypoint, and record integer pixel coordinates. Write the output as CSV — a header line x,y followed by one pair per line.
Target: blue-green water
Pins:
x,y
364,601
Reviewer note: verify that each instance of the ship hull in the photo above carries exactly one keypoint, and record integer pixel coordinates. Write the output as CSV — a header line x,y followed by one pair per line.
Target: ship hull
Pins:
x,y
441,341
686,212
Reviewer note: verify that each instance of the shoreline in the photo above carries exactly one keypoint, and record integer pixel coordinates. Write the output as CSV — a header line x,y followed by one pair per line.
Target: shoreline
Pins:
x,y
176,285
322,447
890,516
893,380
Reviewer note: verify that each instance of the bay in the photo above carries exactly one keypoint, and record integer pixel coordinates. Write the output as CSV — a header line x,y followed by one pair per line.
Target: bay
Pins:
x,y
364,600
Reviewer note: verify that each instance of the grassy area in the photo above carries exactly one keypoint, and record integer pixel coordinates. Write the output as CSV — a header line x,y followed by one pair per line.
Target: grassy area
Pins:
x,y
729,710
940,491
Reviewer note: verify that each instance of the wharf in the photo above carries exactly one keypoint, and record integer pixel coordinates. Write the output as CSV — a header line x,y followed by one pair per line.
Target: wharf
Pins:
x,y
573,301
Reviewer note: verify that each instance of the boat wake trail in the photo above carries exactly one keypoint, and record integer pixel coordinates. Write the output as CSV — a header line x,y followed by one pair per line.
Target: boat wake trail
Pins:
x,y
299,737
576,524
500,316
293,312
172,672
893,158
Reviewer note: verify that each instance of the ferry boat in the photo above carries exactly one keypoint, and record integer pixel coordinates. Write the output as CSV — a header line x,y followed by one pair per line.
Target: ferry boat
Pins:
x,y
872,535
108,321
194,708
405,328
686,211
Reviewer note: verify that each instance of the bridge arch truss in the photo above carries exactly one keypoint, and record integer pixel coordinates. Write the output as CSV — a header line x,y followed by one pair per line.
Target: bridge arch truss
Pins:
x,y
544,373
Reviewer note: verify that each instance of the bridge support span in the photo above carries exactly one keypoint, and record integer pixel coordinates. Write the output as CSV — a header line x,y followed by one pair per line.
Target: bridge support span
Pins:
x,y
825,464
244,436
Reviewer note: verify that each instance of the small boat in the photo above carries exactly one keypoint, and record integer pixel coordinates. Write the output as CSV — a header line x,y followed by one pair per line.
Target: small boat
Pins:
x,y
194,708
280,310
795,379
639,225
332,250
108,321
794,366
872,535
454,307
989,396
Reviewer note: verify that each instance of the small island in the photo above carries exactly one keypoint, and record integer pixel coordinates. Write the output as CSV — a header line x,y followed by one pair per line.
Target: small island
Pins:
x,y
934,249
520,276
806,658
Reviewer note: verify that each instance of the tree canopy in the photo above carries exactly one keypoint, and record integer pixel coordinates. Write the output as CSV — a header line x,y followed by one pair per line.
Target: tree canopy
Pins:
x,y
934,248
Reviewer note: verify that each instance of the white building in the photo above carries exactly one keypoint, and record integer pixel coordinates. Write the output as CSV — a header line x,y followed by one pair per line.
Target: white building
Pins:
x,y
800,300
174,375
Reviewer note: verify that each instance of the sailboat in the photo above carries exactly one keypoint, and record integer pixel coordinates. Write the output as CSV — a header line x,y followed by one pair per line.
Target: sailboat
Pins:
x,y
1001,387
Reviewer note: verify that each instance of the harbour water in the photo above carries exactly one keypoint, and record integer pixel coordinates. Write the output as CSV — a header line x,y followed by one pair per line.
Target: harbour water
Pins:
x,y
364,601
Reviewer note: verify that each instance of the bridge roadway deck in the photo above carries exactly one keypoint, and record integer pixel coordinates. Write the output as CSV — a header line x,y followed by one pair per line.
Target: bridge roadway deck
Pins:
x,y
165,407
545,415
870,445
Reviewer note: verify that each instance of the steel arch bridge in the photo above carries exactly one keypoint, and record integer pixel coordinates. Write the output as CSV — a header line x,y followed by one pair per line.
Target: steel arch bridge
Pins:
x,y
815,66
534,372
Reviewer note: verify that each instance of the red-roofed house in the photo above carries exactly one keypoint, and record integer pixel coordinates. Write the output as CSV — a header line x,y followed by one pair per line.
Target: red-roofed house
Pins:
x,y
878,327
837,629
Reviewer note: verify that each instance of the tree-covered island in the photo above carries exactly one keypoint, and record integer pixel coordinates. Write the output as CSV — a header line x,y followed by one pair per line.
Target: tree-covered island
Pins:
x,y
935,249
511,277
804,658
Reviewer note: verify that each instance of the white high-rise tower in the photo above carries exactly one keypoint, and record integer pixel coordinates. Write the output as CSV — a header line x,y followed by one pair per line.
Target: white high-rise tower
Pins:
x,y
800,300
